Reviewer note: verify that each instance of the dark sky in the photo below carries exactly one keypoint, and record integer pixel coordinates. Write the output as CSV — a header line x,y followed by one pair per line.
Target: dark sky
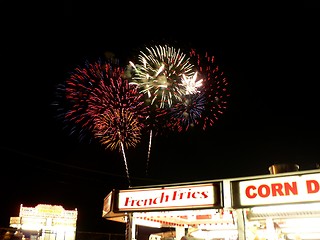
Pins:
x,y
271,59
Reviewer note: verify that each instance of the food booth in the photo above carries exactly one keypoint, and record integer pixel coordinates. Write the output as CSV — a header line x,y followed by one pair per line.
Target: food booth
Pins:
x,y
45,222
284,205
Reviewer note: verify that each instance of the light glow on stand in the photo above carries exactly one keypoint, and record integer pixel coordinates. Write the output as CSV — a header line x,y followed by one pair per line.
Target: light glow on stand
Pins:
x,y
314,207
216,234
295,221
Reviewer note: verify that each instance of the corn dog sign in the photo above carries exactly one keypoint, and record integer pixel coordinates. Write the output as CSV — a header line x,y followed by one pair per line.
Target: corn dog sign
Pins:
x,y
290,189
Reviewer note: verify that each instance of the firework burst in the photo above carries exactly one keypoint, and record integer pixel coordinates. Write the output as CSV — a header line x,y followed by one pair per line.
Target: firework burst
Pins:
x,y
187,113
98,99
159,73
216,87
165,89
74,96
205,95
121,113
122,110
117,127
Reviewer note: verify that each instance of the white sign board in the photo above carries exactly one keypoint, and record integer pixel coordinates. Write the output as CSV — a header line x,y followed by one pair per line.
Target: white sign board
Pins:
x,y
292,189
191,196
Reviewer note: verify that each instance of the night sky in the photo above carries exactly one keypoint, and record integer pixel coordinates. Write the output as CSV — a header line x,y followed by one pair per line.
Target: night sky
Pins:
x,y
270,58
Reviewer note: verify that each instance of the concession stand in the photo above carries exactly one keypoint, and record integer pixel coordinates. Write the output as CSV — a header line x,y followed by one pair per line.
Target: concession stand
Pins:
x,y
284,205
45,222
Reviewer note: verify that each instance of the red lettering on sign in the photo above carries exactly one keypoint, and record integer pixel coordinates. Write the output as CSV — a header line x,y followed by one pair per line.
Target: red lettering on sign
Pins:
x,y
313,186
249,193
164,197
275,189
291,188
264,190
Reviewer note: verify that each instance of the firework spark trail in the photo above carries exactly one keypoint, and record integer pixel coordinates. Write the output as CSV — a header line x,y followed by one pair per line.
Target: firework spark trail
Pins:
x,y
149,152
125,162
153,126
